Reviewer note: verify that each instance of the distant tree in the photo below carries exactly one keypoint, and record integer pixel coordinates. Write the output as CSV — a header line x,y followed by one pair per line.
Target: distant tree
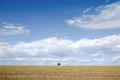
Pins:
x,y
58,64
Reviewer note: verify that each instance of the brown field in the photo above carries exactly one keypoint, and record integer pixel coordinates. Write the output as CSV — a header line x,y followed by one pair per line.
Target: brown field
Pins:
x,y
59,72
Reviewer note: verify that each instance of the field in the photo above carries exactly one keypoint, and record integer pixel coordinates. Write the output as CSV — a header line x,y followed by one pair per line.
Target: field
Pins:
x,y
59,72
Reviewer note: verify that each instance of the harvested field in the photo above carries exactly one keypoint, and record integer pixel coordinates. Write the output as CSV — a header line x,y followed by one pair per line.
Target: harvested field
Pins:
x,y
59,72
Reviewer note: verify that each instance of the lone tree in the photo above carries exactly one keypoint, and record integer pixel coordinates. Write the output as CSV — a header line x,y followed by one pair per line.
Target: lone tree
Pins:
x,y
58,64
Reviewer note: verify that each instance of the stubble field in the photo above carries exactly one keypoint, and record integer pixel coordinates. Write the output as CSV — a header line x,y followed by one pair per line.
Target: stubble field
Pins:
x,y
59,72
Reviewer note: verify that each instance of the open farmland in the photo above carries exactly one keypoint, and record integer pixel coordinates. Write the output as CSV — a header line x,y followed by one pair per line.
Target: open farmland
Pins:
x,y
59,72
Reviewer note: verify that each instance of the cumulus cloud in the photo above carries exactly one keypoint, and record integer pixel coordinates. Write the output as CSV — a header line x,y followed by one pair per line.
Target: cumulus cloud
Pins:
x,y
11,29
62,50
104,17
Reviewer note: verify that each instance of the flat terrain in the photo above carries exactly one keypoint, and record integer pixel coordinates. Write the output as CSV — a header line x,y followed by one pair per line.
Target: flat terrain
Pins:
x,y
59,72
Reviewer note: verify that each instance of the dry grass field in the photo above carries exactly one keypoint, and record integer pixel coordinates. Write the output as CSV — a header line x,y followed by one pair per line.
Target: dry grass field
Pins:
x,y
59,72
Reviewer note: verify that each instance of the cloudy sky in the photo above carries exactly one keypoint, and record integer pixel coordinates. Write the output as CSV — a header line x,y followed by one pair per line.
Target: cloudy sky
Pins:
x,y
72,32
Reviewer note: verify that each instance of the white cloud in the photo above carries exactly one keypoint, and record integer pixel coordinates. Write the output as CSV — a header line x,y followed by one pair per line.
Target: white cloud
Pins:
x,y
3,46
116,58
67,50
96,55
43,47
87,10
20,59
106,17
11,29
98,60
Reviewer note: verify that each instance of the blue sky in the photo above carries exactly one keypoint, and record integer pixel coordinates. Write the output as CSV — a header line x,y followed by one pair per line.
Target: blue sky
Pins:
x,y
73,32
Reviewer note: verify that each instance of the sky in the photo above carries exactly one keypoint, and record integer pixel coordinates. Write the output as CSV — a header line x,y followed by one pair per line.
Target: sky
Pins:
x,y
72,32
